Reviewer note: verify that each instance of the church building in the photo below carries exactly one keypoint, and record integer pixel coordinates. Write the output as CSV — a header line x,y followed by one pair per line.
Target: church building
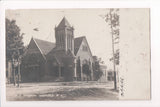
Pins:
x,y
69,59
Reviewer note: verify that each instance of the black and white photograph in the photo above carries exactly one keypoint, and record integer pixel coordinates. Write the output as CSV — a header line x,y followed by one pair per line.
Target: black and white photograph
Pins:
x,y
62,54
79,53
74,54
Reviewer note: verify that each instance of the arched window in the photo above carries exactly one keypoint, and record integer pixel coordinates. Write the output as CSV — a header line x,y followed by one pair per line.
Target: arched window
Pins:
x,y
85,61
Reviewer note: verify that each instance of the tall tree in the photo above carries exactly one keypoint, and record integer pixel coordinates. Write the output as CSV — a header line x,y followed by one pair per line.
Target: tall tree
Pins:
x,y
14,44
14,41
112,18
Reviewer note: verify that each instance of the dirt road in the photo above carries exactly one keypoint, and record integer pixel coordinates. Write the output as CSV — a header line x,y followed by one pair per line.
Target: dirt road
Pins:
x,y
61,91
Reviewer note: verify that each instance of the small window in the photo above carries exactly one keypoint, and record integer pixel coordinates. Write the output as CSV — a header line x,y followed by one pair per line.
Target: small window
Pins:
x,y
84,48
110,73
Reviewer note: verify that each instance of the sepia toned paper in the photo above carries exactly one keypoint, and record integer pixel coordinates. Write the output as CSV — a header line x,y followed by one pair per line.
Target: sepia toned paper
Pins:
x,y
132,73
135,54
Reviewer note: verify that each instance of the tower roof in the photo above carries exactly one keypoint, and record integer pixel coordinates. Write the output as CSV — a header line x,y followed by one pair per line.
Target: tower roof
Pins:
x,y
64,23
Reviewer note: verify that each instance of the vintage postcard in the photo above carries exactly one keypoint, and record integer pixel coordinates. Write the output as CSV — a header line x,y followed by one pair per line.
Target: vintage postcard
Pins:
x,y
77,54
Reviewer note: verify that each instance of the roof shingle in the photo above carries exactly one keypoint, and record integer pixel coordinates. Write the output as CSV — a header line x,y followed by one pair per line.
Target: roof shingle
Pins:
x,y
45,46
77,43
49,47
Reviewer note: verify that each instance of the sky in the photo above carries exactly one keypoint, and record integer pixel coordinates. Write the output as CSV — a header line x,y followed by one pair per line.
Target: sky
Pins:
x,y
87,22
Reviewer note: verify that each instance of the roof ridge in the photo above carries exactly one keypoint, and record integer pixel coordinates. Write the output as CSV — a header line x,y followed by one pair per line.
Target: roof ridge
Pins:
x,y
44,46
43,40
39,49
80,37
77,43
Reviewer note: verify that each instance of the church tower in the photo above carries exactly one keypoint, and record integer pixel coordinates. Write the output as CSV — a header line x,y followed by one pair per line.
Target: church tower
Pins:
x,y
64,35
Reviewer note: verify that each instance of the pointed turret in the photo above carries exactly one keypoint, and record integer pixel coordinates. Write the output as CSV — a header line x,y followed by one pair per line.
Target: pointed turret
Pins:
x,y
64,23
64,34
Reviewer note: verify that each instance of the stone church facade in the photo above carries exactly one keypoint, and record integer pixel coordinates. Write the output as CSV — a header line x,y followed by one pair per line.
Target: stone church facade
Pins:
x,y
69,59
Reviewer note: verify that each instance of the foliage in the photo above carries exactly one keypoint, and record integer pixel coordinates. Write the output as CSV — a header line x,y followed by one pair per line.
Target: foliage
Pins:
x,y
116,56
97,71
112,18
14,43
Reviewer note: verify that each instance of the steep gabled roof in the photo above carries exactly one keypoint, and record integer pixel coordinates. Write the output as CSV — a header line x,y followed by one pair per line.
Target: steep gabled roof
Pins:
x,y
57,54
64,23
77,43
60,56
44,46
